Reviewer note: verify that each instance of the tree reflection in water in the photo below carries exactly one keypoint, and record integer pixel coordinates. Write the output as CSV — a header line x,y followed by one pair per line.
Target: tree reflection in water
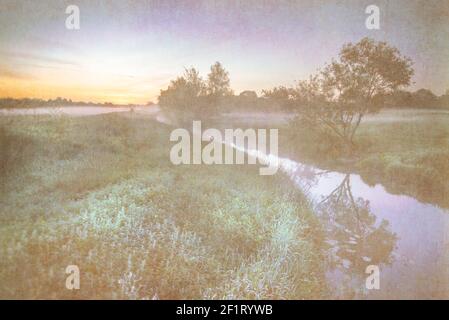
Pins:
x,y
354,236
351,226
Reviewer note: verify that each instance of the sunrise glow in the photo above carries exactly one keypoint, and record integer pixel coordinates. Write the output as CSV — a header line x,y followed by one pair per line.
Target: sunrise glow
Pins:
x,y
126,52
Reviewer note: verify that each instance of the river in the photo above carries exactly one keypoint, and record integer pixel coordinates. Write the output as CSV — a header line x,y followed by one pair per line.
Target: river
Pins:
x,y
365,225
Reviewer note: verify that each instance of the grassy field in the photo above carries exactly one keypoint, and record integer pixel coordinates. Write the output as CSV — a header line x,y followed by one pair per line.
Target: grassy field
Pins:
x,y
408,155
100,192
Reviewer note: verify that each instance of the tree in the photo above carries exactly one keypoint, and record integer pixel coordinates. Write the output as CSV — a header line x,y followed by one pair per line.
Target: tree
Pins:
x,y
424,98
248,94
218,83
399,99
189,97
283,97
345,90
183,97
443,101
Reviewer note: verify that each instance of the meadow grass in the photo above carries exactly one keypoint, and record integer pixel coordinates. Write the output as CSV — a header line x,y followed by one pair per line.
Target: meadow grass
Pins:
x,y
100,192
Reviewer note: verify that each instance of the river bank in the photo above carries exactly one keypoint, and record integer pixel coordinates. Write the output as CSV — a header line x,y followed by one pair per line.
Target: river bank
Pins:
x,y
408,156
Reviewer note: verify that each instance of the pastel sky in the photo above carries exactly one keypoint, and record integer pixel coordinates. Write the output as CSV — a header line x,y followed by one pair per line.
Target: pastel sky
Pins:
x,y
126,51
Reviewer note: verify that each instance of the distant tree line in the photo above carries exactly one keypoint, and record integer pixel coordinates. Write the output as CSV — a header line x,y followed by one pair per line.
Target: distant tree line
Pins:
x,y
190,97
366,77
58,102
422,98
284,99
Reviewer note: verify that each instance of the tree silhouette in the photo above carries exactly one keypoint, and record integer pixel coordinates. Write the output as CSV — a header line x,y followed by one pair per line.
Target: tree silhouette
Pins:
x,y
338,97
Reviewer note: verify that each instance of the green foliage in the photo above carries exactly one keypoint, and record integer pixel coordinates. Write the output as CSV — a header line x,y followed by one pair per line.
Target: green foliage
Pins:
x,y
190,97
9,103
218,83
422,98
346,90
184,99
283,97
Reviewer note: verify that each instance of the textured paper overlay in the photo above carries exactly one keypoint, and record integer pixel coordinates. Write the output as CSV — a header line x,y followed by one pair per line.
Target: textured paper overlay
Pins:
x,y
224,149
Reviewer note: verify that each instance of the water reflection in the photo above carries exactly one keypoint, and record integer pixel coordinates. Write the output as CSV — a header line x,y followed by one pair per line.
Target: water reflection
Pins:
x,y
366,225
355,236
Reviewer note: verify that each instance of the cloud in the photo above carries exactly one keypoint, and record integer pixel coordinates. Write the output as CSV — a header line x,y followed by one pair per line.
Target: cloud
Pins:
x,y
8,73
36,58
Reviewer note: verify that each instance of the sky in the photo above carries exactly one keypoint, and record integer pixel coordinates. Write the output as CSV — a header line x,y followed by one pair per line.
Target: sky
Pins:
x,y
127,51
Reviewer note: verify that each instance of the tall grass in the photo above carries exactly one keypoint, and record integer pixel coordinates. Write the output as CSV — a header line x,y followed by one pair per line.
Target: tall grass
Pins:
x,y
100,192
